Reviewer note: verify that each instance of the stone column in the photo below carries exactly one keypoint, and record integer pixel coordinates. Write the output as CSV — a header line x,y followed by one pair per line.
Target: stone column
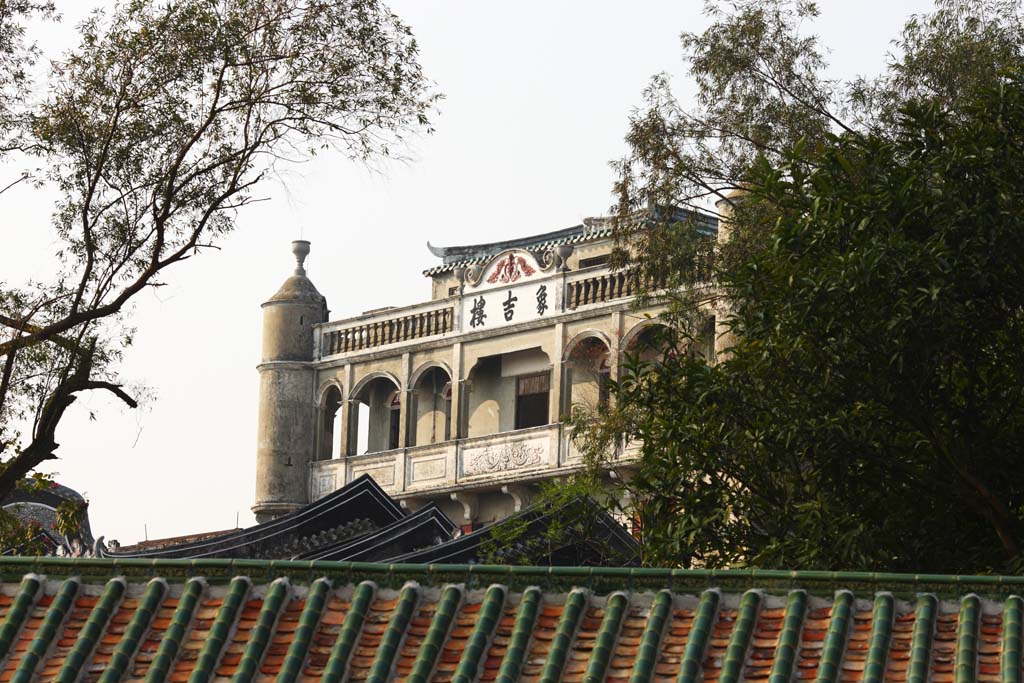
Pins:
x,y
405,394
557,375
457,431
345,412
615,351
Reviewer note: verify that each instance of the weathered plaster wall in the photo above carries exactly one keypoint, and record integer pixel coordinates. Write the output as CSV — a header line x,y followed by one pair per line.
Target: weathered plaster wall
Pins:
x,y
285,429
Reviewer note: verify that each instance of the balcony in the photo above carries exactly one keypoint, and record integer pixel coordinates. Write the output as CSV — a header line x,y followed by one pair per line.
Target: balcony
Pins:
x,y
588,287
564,292
390,326
462,463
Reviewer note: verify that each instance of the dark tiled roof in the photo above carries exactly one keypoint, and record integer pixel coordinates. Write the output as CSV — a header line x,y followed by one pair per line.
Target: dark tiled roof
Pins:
x,y
175,540
590,229
425,527
39,506
198,621
352,510
611,540
359,522
454,257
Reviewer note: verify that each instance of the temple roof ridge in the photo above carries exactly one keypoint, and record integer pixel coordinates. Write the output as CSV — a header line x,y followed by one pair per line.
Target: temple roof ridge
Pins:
x,y
462,255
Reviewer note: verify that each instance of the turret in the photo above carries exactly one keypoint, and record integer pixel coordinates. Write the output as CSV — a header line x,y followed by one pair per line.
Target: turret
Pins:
x,y
286,422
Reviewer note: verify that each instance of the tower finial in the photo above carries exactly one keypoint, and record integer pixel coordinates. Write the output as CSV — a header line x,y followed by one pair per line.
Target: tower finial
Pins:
x,y
301,250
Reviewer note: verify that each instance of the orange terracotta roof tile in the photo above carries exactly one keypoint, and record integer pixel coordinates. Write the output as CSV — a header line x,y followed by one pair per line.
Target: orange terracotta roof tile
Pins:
x,y
107,622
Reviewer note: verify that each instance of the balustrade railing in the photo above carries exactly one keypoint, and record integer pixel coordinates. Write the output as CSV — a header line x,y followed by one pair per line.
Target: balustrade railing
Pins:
x,y
388,331
603,287
599,288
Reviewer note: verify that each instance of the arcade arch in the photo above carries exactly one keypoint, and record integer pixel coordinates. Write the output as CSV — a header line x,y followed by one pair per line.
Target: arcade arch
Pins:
x,y
376,409
508,391
431,406
587,373
330,443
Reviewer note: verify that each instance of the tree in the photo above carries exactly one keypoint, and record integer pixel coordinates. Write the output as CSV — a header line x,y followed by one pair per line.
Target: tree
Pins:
x,y
156,130
868,413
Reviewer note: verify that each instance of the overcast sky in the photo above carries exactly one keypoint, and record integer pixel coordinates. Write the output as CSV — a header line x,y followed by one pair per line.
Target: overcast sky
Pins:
x,y
537,96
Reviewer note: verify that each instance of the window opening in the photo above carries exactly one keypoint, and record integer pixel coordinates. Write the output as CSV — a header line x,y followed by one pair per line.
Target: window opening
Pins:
x,y
594,261
395,409
532,400
331,446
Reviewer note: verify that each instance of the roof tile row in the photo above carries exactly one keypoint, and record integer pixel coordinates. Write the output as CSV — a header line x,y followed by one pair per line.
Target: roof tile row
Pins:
x,y
83,626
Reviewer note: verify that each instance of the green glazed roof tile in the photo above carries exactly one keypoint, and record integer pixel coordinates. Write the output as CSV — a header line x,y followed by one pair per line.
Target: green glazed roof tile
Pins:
x,y
255,622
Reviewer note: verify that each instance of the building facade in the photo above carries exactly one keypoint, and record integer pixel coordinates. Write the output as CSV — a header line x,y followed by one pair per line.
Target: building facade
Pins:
x,y
458,400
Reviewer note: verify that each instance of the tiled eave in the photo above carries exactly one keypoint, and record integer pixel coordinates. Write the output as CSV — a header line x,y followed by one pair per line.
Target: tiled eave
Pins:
x,y
483,253
204,620
598,578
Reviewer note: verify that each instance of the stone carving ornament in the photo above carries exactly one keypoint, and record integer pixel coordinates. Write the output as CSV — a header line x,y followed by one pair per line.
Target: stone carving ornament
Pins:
x,y
509,456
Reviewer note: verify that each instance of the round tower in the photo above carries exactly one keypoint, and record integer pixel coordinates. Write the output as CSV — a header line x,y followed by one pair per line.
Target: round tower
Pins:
x,y
284,444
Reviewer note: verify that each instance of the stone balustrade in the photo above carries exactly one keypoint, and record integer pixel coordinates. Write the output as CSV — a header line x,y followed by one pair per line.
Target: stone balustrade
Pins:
x,y
458,464
599,288
446,465
387,327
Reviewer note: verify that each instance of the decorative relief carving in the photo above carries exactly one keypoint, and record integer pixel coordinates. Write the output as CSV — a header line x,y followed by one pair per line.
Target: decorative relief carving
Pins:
x,y
511,269
505,457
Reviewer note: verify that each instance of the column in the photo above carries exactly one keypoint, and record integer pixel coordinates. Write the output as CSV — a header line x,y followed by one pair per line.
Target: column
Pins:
x,y
555,396
405,394
614,352
344,413
457,431
557,375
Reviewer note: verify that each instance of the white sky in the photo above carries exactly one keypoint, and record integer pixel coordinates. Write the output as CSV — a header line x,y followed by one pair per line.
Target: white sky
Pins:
x,y
537,95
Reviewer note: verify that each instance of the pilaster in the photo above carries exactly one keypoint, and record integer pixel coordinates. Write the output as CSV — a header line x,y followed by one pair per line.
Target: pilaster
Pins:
x,y
345,410
406,396
557,375
457,431
614,353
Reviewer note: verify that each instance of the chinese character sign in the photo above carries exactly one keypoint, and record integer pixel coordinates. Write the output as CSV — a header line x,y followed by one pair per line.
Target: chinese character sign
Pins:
x,y
492,308
542,299
509,305
477,315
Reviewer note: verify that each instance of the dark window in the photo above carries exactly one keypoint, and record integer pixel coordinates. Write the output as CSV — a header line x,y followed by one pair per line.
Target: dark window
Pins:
x,y
603,389
594,261
447,393
396,419
532,400
452,291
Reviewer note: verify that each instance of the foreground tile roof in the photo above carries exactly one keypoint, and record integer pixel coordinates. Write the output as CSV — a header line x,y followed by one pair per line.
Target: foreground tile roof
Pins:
x,y
205,620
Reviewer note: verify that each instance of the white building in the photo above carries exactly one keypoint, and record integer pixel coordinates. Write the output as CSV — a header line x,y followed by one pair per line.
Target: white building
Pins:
x,y
456,400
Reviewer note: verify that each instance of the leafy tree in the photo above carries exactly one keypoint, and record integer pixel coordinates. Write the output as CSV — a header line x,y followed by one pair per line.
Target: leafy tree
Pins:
x,y
565,525
868,412
155,131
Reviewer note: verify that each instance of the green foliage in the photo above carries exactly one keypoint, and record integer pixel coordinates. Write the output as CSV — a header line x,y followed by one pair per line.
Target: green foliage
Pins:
x,y
869,412
573,533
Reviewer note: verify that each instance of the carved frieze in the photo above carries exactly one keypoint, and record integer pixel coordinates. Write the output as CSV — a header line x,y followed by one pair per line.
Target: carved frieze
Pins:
x,y
504,457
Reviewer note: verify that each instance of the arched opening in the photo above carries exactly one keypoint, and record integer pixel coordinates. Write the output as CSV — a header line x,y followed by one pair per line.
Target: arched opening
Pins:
x,y
650,343
508,391
377,424
330,429
588,371
431,408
